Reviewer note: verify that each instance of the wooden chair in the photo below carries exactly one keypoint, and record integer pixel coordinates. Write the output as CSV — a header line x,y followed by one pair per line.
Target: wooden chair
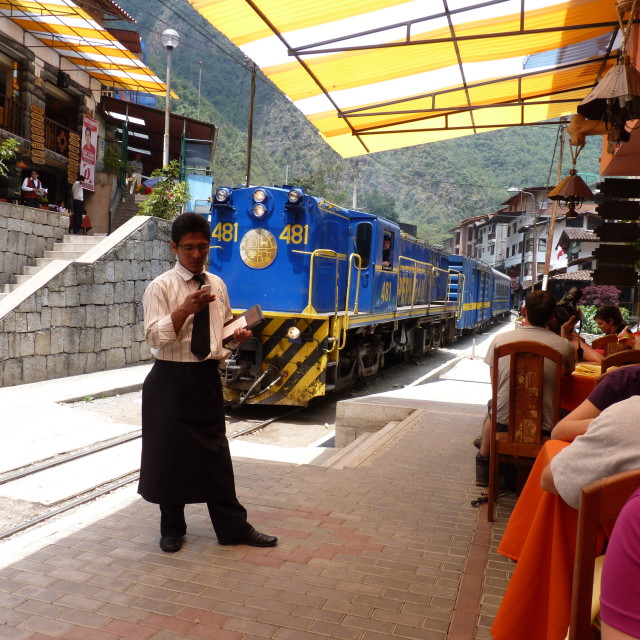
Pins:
x,y
632,356
603,341
600,504
524,438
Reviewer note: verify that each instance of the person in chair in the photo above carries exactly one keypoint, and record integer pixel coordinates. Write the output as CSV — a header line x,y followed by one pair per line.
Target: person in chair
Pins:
x,y
538,326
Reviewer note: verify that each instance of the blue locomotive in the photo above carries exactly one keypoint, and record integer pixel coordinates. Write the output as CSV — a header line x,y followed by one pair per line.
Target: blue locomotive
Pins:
x,y
341,291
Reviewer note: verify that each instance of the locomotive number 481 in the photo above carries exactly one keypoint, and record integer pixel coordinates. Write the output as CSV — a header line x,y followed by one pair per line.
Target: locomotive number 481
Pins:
x,y
225,232
295,234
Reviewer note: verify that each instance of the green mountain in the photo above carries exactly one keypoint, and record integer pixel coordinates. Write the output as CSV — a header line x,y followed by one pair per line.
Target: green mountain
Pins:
x,y
433,186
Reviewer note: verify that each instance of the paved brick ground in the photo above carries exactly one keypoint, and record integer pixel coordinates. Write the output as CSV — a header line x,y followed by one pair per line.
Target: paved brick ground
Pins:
x,y
388,548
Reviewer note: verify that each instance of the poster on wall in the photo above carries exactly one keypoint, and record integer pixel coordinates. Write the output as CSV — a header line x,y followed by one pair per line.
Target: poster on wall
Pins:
x,y
88,152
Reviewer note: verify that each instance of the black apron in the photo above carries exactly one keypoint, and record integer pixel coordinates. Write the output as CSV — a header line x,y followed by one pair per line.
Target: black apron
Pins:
x,y
185,451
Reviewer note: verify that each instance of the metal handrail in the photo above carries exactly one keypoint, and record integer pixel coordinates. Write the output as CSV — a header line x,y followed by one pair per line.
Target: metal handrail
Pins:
x,y
352,258
427,270
461,289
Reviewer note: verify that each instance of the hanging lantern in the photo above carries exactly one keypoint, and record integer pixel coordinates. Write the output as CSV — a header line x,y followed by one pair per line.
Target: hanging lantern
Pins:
x,y
572,191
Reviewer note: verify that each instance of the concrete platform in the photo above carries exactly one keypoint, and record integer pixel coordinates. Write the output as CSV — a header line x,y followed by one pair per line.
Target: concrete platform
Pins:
x,y
380,543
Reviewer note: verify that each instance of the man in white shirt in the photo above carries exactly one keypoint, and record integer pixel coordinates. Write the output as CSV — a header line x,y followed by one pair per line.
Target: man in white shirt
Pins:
x,y
185,452
32,190
77,193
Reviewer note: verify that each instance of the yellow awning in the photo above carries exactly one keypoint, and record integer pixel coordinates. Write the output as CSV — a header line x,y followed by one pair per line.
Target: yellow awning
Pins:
x,y
71,32
373,75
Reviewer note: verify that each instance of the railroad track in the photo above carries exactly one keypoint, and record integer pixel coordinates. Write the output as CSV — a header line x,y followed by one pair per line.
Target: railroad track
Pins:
x,y
102,488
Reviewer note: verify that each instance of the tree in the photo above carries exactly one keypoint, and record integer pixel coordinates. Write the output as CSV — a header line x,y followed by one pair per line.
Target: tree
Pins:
x,y
8,150
600,295
168,195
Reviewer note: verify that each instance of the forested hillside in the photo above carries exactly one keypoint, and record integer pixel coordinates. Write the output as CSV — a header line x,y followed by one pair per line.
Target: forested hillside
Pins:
x,y
433,186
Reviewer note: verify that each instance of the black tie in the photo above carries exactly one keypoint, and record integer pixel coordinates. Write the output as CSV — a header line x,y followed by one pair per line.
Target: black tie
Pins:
x,y
200,340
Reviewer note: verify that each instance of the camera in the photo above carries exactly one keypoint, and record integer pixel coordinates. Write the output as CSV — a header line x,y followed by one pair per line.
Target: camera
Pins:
x,y
568,305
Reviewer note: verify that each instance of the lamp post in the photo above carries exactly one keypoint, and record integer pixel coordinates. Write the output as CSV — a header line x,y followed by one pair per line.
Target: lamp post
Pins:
x,y
170,39
534,260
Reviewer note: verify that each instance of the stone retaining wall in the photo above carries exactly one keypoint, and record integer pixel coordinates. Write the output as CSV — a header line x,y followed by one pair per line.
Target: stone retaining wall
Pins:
x,y
89,316
25,234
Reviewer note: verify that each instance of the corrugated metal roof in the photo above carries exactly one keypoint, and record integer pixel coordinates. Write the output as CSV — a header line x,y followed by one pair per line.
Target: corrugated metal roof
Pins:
x,y
381,74
130,39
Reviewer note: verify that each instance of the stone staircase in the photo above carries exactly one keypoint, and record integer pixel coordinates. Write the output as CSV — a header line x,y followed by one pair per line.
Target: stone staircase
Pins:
x,y
71,248
127,208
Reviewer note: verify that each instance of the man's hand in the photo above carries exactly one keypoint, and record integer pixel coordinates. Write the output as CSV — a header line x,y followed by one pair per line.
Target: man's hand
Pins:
x,y
242,335
567,328
194,302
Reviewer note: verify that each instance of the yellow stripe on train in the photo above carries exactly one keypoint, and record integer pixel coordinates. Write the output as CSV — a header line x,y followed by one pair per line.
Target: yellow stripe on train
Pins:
x,y
472,306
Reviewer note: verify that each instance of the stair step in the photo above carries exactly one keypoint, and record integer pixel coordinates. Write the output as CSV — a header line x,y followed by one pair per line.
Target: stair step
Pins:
x,y
64,255
73,246
80,239
21,277
42,262
7,288
31,270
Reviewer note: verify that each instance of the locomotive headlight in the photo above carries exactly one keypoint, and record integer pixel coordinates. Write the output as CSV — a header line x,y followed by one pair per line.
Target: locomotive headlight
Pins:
x,y
259,195
293,333
259,210
295,195
222,195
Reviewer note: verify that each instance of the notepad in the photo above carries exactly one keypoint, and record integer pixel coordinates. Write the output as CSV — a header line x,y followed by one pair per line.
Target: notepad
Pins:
x,y
250,318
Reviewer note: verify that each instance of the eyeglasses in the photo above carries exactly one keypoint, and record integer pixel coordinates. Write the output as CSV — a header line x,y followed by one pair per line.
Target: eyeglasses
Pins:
x,y
200,248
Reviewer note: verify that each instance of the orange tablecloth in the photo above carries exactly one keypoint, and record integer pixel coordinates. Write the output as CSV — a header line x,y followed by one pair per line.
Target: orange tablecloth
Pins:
x,y
577,386
541,538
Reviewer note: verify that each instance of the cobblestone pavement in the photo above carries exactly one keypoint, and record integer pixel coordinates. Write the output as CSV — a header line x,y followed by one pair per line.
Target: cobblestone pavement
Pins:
x,y
386,547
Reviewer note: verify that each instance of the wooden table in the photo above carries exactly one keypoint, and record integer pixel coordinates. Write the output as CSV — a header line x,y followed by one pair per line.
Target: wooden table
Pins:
x,y
577,386
541,538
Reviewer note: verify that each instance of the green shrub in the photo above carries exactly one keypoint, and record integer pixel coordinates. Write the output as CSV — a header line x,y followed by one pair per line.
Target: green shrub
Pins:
x,y
168,195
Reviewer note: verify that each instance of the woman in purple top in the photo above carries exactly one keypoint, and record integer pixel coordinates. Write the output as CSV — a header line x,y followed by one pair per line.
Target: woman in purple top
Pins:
x,y
620,592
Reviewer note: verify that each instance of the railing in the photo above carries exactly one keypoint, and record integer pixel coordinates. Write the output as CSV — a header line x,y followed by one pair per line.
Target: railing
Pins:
x,y
11,115
56,137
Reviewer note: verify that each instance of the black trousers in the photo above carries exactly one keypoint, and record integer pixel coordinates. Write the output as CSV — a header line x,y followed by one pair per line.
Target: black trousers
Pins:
x,y
78,213
229,520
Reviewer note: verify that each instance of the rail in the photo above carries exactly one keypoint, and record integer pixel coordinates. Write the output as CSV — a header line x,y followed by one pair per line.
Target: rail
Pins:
x,y
323,253
12,115
428,272
461,290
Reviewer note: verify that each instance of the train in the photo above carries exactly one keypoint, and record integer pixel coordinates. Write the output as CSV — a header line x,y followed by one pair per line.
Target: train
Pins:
x,y
342,292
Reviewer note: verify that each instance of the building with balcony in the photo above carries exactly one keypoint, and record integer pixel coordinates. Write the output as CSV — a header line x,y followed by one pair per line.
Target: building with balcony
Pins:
x,y
56,61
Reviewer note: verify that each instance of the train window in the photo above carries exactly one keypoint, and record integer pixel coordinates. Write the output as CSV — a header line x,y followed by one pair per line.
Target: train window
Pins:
x,y
387,251
364,235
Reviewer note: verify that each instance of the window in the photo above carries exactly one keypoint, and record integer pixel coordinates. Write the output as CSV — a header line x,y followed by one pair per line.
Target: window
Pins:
x,y
387,251
542,243
364,234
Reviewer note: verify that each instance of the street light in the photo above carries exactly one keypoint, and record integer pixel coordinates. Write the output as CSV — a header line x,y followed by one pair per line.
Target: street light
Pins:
x,y
534,253
170,39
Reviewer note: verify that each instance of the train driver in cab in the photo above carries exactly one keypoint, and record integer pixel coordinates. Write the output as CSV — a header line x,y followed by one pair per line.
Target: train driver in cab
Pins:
x,y
387,252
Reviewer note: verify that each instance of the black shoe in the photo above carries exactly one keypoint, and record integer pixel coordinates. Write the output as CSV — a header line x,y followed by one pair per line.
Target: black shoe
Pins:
x,y
482,471
254,539
170,544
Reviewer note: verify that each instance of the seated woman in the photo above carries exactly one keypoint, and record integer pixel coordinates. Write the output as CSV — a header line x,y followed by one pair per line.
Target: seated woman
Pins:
x,y
609,319
620,590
